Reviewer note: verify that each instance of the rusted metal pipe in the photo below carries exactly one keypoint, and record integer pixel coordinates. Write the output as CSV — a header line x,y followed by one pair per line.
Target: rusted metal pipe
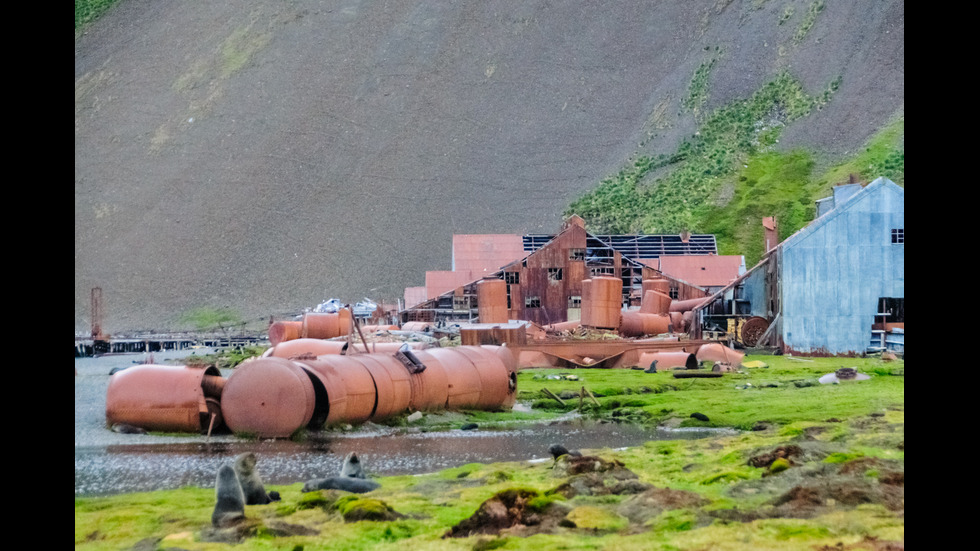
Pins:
x,y
164,398
686,305
636,324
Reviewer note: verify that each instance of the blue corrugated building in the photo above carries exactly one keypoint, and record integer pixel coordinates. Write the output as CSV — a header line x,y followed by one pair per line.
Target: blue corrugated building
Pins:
x,y
836,287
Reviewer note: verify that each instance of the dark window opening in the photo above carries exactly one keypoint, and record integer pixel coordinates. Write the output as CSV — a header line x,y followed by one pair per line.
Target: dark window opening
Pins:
x,y
898,235
892,310
576,254
532,302
513,278
601,270
673,291
575,301
554,274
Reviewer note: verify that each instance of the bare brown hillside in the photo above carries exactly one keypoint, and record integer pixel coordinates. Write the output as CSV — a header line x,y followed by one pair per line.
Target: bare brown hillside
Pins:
x,y
267,155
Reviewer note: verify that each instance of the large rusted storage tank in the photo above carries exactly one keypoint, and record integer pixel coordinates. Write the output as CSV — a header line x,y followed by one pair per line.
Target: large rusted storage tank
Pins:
x,y
491,301
636,324
165,398
274,397
606,302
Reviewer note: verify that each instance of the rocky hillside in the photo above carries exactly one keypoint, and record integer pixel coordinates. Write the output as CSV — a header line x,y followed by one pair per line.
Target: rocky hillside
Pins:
x,y
264,156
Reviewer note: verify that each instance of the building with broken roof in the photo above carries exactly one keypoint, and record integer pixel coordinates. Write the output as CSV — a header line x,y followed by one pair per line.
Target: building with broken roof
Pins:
x,y
544,285
836,287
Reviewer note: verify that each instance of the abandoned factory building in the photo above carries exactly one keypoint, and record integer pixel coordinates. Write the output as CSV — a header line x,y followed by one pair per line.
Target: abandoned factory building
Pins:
x,y
544,275
836,287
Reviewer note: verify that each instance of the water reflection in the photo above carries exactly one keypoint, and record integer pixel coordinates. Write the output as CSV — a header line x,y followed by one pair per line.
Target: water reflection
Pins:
x,y
112,469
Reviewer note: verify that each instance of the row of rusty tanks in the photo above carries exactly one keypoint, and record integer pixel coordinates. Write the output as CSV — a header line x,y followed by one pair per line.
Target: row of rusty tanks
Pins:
x,y
312,383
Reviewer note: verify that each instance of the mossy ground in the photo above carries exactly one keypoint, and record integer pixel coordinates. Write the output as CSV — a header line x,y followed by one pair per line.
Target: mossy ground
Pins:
x,y
842,482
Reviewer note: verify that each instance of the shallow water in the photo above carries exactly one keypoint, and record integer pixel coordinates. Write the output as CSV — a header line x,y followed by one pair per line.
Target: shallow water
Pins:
x,y
109,463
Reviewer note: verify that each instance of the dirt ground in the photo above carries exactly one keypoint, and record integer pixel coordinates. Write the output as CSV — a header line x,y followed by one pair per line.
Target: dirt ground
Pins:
x,y
267,156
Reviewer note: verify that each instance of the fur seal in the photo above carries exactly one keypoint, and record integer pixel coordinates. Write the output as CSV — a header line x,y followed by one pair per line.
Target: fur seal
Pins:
x,y
345,483
229,507
352,467
557,450
251,483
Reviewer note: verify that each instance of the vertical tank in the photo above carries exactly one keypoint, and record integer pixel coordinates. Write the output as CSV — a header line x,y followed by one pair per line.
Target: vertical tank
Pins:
x,y
491,300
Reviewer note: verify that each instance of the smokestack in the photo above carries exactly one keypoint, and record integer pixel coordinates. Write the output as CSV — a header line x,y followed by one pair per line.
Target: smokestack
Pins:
x,y
771,233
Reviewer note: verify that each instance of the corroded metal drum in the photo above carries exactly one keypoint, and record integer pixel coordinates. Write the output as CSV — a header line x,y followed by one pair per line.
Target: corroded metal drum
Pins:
x,y
163,397
606,302
659,284
655,302
282,331
318,325
718,352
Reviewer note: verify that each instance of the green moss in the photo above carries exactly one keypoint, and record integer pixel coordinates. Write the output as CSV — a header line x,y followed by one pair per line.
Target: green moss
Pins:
x,y
842,457
673,521
779,465
595,518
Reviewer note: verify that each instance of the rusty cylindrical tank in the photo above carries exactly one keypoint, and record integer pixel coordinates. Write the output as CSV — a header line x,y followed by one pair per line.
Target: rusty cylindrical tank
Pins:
x,y
165,398
660,285
636,324
302,347
282,331
274,397
606,302
655,302
585,318
718,352
318,325
491,300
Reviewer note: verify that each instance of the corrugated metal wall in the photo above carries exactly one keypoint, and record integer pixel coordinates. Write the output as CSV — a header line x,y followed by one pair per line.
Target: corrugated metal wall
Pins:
x,y
833,272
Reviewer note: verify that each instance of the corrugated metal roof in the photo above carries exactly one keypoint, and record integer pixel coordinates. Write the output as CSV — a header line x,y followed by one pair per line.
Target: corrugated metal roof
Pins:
x,y
642,246
479,253
703,270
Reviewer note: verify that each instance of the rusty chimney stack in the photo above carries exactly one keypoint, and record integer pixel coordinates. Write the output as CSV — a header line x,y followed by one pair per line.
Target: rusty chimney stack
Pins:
x,y
771,233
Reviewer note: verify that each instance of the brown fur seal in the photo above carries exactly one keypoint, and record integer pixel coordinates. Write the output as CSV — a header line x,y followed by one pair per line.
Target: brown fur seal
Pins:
x,y
229,507
251,483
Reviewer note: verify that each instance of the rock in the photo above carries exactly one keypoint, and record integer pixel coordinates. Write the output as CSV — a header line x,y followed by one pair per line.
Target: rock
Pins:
x,y
417,416
699,416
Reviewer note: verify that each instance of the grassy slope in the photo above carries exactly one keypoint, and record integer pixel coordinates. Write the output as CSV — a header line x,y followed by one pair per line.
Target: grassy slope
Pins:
x,y
730,174
836,423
